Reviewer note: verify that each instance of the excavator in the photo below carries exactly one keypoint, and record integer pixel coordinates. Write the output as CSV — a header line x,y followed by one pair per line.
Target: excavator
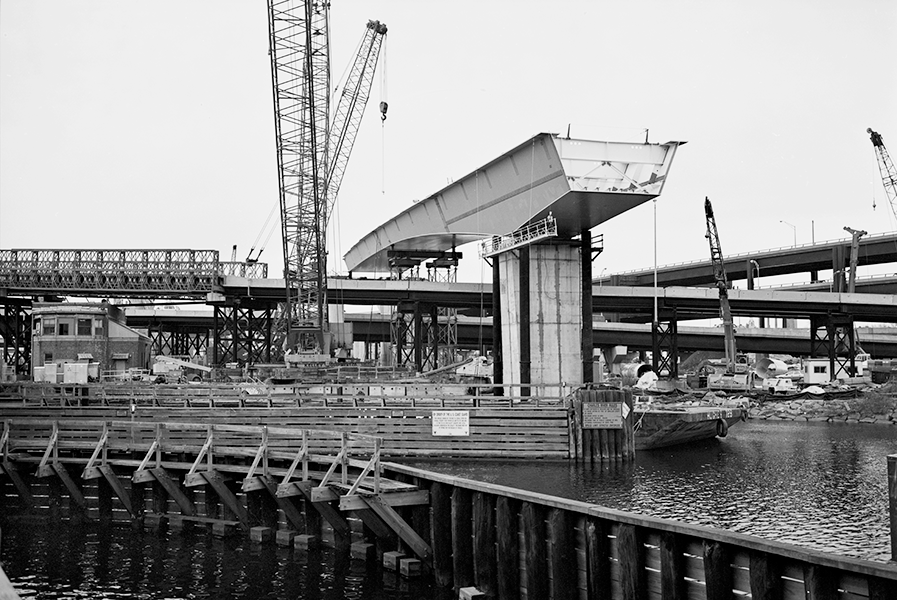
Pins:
x,y
737,376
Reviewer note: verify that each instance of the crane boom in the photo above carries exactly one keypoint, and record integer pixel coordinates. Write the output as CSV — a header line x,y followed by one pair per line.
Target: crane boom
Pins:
x,y
350,108
722,284
886,168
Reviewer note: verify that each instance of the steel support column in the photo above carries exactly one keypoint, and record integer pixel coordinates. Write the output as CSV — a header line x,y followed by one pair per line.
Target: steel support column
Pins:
x,y
586,346
833,336
497,360
415,335
525,350
665,346
242,334
15,330
178,340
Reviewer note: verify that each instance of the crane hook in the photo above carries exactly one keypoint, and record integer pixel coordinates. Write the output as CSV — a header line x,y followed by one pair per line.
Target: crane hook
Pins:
x,y
383,108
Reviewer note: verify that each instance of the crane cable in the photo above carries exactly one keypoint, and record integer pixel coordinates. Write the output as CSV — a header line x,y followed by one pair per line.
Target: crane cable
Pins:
x,y
261,232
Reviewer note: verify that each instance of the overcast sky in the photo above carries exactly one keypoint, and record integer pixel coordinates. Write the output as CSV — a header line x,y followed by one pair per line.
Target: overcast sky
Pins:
x,y
150,124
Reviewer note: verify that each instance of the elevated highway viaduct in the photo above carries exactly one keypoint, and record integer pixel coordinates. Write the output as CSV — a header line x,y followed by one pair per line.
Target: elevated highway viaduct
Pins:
x,y
477,333
809,259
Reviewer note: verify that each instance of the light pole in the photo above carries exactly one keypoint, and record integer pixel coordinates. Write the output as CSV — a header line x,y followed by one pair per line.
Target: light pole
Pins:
x,y
793,230
601,278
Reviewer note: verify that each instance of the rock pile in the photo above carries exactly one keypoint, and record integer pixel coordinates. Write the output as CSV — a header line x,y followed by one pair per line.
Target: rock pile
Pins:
x,y
868,408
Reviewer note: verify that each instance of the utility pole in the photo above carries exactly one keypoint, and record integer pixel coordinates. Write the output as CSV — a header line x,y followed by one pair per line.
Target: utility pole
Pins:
x,y
854,256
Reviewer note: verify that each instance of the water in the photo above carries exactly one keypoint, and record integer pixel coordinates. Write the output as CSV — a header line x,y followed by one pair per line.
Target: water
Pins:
x,y
817,485
92,561
812,484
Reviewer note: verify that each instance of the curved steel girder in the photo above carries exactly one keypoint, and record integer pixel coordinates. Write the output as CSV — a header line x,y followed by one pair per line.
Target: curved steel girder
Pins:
x,y
582,183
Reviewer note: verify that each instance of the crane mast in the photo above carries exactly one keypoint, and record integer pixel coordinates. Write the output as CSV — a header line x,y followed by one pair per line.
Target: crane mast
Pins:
x,y
886,168
722,284
300,70
312,155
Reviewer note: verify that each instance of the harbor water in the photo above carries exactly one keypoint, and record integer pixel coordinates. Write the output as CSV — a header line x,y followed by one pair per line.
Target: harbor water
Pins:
x,y
817,485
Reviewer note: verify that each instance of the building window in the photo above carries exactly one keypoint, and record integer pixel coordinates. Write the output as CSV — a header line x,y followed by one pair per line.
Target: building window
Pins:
x,y
35,325
84,326
98,326
49,326
65,327
48,358
820,369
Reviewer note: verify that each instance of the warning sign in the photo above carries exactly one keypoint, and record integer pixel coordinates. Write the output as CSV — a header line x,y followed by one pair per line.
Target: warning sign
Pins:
x,y
602,415
451,422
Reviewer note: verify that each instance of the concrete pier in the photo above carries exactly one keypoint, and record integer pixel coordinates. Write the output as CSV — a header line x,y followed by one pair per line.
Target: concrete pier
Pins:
x,y
541,313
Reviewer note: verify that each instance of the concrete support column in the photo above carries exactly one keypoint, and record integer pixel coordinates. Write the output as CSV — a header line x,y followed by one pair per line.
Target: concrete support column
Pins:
x,y
542,316
588,364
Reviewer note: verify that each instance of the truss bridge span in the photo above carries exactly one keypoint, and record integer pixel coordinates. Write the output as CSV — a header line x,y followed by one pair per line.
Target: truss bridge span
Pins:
x,y
157,273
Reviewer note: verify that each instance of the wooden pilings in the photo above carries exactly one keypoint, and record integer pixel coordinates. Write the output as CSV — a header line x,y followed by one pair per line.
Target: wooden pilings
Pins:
x,y
892,502
506,542
205,475
531,545
602,425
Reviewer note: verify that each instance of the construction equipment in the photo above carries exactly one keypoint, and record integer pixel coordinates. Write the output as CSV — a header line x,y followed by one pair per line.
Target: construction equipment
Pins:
x,y
854,256
736,375
311,158
886,168
167,368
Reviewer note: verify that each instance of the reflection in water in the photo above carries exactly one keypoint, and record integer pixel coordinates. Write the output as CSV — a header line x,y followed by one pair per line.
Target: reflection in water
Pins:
x,y
53,560
818,485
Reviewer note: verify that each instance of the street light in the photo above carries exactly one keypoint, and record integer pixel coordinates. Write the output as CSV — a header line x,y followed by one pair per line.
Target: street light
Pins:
x,y
793,230
601,278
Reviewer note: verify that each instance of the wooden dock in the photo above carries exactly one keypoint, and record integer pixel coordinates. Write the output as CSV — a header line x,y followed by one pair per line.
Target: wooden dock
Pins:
x,y
295,486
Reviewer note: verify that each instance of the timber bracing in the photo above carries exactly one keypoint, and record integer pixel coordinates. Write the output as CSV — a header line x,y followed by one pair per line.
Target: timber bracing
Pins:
x,y
151,470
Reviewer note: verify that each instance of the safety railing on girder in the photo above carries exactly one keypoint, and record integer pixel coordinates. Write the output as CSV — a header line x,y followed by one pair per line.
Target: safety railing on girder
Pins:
x,y
528,234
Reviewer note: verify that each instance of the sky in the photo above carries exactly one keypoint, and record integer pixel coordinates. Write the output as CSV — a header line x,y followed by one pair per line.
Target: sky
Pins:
x,y
150,124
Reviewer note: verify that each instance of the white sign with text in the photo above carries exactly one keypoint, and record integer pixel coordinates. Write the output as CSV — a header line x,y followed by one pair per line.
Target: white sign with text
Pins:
x,y
451,422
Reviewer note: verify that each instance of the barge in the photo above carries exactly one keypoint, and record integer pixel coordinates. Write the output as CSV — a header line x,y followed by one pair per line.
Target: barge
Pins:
x,y
660,427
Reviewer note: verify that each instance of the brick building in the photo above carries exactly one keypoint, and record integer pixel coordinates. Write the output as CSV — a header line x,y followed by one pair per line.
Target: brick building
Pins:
x,y
95,333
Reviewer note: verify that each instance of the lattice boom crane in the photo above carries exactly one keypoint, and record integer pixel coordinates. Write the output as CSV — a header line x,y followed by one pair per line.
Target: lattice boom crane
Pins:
x,y
887,169
311,155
